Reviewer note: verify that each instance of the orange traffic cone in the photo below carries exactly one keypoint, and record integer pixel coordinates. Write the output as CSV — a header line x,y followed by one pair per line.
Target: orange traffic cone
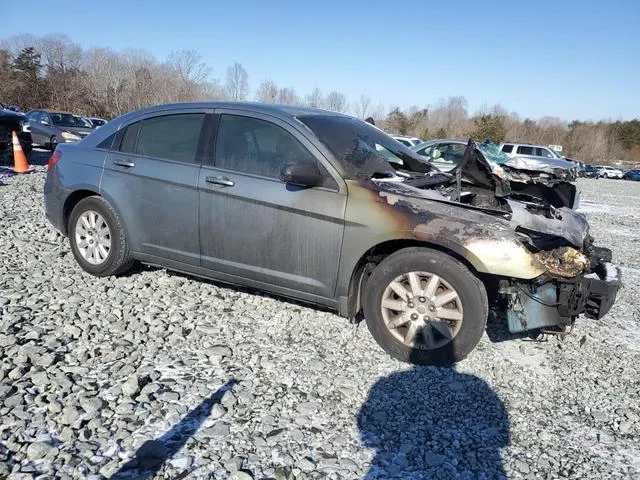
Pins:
x,y
20,164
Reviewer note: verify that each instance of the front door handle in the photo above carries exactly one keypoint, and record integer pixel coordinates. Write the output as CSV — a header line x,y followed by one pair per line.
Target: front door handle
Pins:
x,y
124,163
224,181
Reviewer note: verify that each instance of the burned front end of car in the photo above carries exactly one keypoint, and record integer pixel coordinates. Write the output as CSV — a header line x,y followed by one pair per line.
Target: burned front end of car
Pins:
x,y
563,274
537,257
571,282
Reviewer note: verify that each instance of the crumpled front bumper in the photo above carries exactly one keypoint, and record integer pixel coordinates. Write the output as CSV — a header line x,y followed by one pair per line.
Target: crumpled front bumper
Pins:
x,y
557,302
594,294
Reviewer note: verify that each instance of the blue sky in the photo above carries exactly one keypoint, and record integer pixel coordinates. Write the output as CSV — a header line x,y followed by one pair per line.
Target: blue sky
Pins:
x,y
574,60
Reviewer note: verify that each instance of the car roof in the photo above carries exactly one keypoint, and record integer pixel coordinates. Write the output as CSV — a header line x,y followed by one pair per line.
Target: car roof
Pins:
x,y
440,140
10,113
47,110
275,109
286,113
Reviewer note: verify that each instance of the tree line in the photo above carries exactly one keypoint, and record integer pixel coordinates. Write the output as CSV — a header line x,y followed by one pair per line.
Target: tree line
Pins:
x,y
52,71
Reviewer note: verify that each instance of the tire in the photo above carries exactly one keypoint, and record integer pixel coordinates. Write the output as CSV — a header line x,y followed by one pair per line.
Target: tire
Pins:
x,y
430,346
53,143
92,258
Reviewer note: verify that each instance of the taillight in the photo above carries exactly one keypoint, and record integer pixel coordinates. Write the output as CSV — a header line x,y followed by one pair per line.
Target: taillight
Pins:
x,y
54,159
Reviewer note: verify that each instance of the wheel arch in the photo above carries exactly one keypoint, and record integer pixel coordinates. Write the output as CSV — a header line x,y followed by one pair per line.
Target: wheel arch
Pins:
x,y
351,305
69,204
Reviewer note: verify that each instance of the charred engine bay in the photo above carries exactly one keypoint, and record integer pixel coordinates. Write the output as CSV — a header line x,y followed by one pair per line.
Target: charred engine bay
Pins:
x,y
556,236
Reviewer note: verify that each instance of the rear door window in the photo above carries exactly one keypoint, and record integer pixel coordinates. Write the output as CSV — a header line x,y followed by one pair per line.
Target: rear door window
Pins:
x,y
171,137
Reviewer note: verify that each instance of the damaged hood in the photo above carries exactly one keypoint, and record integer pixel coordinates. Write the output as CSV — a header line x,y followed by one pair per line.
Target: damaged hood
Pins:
x,y
533,167
547,181
532,221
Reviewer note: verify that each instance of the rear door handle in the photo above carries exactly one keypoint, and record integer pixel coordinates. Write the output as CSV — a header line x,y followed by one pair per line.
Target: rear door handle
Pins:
x,y
224,181
124,163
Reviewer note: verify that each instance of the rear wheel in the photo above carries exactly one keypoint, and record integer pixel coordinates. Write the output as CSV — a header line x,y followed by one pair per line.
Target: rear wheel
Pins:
x,y
98,239
424,307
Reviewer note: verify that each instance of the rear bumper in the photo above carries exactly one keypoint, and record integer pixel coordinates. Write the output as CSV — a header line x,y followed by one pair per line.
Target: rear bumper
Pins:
x,y
53,199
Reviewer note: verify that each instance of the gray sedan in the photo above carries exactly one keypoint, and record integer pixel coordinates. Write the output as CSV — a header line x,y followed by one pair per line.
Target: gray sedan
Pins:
x,y
326,208
49,127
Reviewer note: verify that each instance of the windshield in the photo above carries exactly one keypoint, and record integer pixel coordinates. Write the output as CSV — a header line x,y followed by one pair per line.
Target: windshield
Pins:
x,y
363,150
69,120
491,152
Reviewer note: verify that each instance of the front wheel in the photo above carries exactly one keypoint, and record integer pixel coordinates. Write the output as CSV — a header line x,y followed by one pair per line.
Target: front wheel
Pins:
x,y
98,239
424,307
53,143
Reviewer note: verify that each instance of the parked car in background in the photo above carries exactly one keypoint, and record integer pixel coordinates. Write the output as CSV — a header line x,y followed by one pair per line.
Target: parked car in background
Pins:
x,y
606,171
13,108
632,175
306,204
541,176
524,150
444,154
50,127
407,141
11,121
97,122
528,149
590,171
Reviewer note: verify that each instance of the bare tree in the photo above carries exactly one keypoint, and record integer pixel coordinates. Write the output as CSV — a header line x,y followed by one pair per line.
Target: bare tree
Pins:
x,y
237,82
362,106
288,96
378,112
450,116
315,99
54,71
189,66
16,43
267,92
337,102
213,90
106,78
191,70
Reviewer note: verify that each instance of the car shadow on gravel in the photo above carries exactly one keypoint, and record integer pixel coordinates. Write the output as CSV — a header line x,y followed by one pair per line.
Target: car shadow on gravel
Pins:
x,y
152,455
434,422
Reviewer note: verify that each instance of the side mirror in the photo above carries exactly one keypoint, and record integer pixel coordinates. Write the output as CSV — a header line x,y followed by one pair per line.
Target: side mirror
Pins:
x,y
305,174
44,122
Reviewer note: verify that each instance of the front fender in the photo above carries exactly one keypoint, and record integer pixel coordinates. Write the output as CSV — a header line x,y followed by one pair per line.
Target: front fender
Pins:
x,y
488,242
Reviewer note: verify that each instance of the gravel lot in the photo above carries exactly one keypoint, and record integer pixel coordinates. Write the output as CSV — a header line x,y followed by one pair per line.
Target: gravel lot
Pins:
x,y
159,375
